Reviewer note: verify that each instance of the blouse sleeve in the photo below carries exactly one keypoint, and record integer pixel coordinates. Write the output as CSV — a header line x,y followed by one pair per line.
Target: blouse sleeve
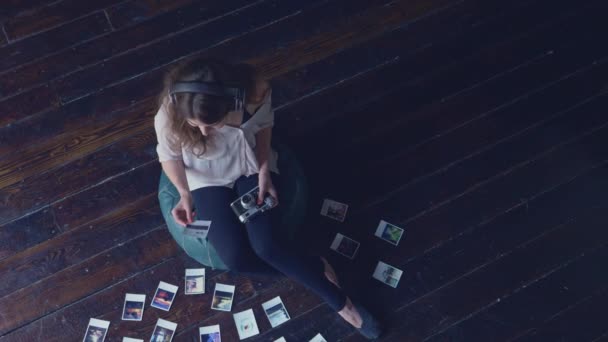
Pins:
x,y
168,147
264,116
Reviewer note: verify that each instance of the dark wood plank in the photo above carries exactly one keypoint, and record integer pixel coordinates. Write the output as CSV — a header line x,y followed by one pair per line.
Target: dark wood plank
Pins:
x,y
3,37
422,40
76,245
522,307
12,7
58,150
34,47
87,53
431,160
581,322
524,50
86,278
133,12
78,210
25,197
166,51
56,14
40,99
414,138
123,67
534,264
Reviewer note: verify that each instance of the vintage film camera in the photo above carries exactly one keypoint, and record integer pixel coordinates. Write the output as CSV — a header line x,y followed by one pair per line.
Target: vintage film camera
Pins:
x,y
246,206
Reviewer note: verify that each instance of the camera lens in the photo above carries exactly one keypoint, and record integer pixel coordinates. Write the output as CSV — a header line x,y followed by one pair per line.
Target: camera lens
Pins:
x,y
247,201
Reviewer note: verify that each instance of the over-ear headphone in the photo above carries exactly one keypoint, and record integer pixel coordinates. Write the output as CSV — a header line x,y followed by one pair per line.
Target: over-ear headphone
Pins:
x,y
210,88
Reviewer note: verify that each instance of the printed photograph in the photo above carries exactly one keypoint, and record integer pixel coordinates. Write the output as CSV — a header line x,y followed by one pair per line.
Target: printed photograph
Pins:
x,y
222,300
95,334
246,325
318,338
161,334
345,246
334,210
133,311
387,274
198,229
129,339
389,232
163,299
210,333
212,337
195,284
280,339
96,330
277,314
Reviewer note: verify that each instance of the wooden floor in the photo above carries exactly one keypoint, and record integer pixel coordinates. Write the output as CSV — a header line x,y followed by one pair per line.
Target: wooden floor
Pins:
x,y
480,126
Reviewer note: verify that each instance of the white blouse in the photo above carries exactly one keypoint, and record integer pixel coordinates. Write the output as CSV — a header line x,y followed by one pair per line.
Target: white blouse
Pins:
x,y
229,153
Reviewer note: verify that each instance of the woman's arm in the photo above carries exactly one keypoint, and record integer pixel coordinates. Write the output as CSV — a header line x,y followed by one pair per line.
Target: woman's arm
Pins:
x,y
175,170
262,148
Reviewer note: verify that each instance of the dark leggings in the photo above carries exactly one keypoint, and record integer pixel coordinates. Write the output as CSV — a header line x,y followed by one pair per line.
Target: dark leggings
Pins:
x,y
253,248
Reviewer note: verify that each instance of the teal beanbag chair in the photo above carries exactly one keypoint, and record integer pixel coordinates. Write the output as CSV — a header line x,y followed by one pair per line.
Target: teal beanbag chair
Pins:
x,y
293,195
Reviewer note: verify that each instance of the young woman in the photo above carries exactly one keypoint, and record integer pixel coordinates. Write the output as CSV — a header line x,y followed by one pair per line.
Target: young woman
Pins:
x,y
214,151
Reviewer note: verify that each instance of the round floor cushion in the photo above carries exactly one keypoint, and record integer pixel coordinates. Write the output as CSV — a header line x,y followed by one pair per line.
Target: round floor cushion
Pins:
x,y
293,197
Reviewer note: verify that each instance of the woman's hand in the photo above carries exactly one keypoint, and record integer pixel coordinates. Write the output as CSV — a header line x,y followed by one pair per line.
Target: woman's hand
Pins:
x,y
266,186
182,213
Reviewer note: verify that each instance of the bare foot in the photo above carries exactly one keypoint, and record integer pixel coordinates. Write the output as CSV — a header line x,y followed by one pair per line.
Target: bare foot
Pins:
x,y
350,314
330,273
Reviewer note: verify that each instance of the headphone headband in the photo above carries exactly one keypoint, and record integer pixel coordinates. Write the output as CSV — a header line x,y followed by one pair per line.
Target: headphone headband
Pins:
x,y
210,89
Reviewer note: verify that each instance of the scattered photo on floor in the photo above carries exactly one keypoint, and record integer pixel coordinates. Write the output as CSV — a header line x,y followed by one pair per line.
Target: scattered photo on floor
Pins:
x,y
280,339
246,325
195,281
129,339
210,333
199,229
276,311
96,330
318,338
345,246
334,210
163,298
133,309
222,297
387,274
164,330
389,232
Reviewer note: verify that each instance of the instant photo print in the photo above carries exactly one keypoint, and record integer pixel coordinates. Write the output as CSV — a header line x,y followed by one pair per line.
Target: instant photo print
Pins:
x,y
199,229
163,332
210,333
275,311
280,339
345,246
246,206
318,338
96,330
334,210
389,232
128,339
164,296
133,309
222,297
194,281
387,274
246,325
